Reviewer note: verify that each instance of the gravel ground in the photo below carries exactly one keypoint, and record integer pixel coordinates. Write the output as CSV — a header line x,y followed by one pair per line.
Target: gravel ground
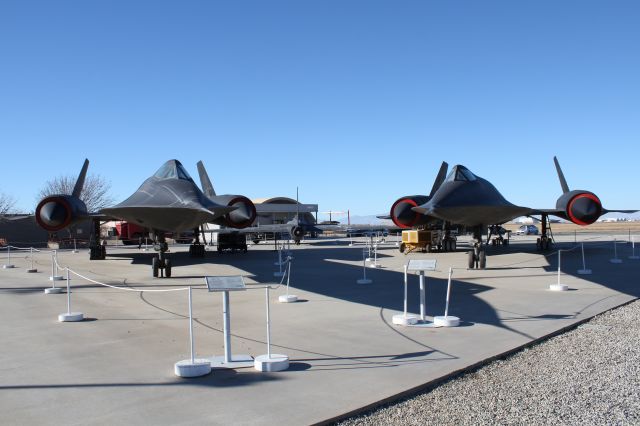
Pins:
x,y
587,376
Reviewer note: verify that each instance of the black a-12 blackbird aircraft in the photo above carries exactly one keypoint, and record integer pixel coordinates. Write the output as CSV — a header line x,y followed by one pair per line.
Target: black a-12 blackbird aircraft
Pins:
x,y
168,201
463,198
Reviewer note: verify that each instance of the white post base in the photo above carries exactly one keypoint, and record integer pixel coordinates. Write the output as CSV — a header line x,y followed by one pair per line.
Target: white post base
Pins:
x,y
369,259
448,321
287,298
276,362
615,260
31,271
71,317
375,265
186,368
56,278
364,281
350,244
558,287
8,266
74,251
584,271
402,319
278,274
53,290
634,257
237,361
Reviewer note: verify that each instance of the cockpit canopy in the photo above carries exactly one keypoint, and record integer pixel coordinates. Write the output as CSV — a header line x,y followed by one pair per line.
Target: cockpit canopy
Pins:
x,y
172,169
460,173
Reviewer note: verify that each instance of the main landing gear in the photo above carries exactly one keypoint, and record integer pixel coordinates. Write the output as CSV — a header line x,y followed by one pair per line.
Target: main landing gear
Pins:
x,y
545,242
197,249
161,264
97,251
477,257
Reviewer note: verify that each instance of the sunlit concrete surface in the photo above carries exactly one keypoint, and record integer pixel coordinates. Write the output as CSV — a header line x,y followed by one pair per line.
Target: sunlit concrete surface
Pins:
x,y
117,365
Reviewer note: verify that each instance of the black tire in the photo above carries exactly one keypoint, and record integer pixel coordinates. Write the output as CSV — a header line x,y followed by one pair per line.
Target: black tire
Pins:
x,y
539,244
167,268
505,242
471,259
482,260
454,245
402,247
155,266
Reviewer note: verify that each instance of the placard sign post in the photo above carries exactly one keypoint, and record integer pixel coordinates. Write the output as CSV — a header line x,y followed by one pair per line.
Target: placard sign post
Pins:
x,y
225,284
419,266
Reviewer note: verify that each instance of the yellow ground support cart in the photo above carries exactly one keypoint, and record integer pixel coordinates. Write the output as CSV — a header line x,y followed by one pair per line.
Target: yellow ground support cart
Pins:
x,y
426,241
416,240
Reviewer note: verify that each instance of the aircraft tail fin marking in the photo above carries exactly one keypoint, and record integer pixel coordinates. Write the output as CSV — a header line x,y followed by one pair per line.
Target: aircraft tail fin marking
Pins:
x,y
442,175
563,181
77,189
207,186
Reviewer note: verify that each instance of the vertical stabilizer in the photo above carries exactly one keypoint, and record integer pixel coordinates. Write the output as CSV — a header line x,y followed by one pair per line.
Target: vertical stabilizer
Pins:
x,y
77,190
205,182
563,181
442,175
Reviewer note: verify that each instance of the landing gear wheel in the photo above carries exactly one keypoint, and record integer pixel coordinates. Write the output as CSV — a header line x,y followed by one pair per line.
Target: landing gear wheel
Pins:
x,y
472,259
167,268
155,266
482,260
402,247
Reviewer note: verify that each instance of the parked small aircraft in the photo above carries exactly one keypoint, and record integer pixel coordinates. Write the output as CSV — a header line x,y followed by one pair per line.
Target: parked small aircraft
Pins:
x,y
168,201
463,198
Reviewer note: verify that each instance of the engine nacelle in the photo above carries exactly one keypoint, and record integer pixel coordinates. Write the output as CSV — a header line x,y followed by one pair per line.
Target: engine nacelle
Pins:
x,y
403,216
241,217
57,212
581,207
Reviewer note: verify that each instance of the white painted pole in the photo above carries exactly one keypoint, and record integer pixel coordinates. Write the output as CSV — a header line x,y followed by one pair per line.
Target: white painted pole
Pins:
x,y
8,255
75,247
364,265
446,306
191,343
405,289
268,323
68,294
422,296
288,274
227,326
559,251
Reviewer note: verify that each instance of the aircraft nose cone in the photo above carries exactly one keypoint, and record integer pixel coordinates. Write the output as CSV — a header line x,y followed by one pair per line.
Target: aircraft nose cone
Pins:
x,y
53,214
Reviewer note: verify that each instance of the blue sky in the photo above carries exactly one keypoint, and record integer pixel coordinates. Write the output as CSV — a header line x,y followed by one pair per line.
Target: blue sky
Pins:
x,y
355,102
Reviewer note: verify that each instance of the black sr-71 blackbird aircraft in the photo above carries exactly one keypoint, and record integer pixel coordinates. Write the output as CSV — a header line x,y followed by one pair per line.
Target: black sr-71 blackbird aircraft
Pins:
x,y
168,201
462,198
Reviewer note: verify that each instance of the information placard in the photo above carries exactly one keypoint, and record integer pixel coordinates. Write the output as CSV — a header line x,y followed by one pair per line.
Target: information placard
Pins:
x,y
422,265
225,283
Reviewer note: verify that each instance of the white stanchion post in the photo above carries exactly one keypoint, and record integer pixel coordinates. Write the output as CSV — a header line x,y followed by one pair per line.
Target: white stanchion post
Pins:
x,y
75,247
405,318
364,279
288,298
192,367
54,267
446,320
422,297
70,316
8,265
146,242
397,239
633,249
615,252
32,269
350,239
53,278
558,286
279,272
270,362
584,270
375,257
